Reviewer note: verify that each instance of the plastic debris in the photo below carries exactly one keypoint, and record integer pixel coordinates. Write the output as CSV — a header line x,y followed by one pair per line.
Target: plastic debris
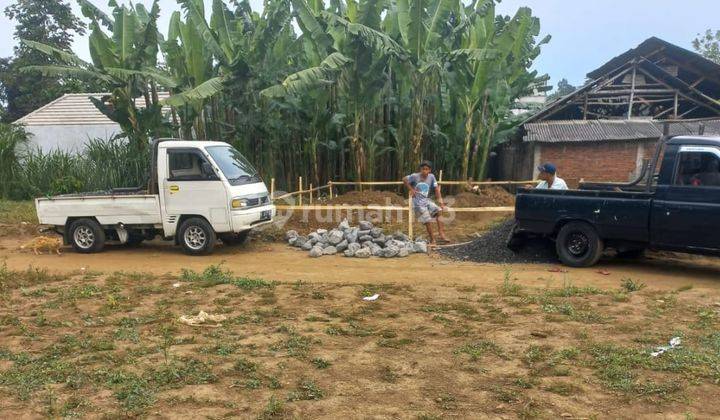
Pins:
x,y
371,298
201,319
673,344
176,285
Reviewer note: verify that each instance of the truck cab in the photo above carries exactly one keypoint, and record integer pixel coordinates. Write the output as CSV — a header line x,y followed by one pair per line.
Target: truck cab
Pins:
x,y
674,206
198,191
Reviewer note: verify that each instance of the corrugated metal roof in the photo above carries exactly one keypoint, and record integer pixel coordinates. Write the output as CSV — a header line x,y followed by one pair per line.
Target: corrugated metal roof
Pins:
x,y
74,109
609,130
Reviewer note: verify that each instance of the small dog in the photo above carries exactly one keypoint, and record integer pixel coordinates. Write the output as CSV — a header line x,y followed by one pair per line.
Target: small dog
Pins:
x,y
44,243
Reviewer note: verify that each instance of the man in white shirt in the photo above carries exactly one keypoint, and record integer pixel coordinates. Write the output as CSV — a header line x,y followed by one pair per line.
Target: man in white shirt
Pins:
x,y
549,180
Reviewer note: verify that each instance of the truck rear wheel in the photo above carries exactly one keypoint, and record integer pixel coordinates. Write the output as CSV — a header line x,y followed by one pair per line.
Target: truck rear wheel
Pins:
x,y
196,236
87,236
579,245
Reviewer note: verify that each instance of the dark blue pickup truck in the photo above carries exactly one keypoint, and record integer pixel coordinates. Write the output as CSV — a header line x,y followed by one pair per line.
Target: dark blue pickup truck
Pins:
x,y
675,208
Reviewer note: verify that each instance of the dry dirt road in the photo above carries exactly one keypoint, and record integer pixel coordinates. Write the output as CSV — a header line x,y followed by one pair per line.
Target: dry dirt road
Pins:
x,y
445,339
278,262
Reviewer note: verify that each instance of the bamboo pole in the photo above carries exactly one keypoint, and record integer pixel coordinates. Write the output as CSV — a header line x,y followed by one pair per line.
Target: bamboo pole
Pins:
x,y
300,190
392,208
311,193
410,217
330,185
272,188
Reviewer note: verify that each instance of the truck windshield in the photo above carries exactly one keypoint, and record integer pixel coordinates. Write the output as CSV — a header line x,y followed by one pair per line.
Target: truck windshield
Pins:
x,y
234,166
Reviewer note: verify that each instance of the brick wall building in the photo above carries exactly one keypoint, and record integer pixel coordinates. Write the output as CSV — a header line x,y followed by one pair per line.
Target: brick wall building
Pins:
x,y
606,129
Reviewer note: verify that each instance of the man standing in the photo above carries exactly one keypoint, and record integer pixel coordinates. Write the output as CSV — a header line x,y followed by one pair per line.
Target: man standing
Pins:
x,y
549,180
420,185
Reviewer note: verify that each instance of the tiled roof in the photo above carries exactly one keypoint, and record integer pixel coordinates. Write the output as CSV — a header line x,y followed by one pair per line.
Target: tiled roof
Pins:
x,y
608,130
73,109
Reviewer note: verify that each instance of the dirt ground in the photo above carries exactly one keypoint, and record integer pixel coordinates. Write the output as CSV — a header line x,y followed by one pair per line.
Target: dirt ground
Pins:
x,y
98,336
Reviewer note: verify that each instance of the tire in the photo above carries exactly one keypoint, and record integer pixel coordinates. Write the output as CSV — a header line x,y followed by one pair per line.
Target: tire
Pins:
x,y
196,236
515,241
231,239
86,236
579,245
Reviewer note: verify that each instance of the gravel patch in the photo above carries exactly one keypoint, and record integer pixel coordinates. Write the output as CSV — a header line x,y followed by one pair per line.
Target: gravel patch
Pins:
x,y
491,247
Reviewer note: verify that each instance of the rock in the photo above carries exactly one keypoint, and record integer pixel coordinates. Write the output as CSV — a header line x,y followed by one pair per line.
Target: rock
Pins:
x,y
421,247
323,239
361,232
365,225
342,246
367,244
403,252
292,240
400,236
390,252
335,236
321,232
291,234
380,240
344,225
410,247
307,246
376,232
353,247
330,250
363,253
314,237
376,250
348,253
365,238
316,251
300,241
351,236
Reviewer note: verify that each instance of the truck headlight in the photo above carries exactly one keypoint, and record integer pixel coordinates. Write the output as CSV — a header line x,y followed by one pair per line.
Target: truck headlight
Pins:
x,y
239,203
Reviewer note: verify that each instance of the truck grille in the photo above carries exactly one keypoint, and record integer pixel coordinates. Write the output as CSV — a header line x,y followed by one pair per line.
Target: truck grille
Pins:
x,y
258,201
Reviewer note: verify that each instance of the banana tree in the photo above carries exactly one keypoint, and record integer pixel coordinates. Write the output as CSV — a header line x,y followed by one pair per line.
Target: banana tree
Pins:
x,y
125,61
490,71
423,27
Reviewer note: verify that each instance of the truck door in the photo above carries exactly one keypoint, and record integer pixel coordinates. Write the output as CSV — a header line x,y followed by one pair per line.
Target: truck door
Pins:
x,y
191,186
686,213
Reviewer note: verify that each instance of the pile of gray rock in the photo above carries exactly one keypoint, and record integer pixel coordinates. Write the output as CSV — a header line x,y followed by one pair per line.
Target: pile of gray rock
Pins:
x,y
362,241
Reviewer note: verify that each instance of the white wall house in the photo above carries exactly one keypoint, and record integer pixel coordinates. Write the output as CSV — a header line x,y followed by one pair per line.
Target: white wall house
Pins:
x,y
68,122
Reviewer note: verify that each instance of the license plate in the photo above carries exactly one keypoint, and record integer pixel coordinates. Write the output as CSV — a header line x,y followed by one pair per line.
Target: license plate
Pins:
x,y
266,215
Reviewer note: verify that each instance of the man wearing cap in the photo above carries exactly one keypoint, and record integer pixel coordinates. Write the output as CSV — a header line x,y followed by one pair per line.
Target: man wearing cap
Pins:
x,y
549,180
420,185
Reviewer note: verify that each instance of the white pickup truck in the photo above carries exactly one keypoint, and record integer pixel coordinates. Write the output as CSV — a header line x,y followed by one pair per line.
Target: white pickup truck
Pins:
x,y
198,191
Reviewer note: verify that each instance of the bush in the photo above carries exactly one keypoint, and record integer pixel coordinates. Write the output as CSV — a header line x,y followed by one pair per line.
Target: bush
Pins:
x,y
103,165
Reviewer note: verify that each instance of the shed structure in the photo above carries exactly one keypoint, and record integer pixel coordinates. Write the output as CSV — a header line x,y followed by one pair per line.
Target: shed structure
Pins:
x,y
68,122
603,130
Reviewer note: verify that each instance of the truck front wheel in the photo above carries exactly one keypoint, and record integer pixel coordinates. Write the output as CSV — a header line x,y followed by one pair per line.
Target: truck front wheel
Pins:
x,y
579,245
87,236
196,236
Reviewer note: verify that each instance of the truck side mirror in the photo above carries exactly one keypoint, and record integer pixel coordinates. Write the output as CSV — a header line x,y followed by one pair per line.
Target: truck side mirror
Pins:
x,y
207,171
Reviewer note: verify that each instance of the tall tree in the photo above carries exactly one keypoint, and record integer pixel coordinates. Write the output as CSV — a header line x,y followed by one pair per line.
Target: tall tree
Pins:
x,y
708,44
50,22
564,88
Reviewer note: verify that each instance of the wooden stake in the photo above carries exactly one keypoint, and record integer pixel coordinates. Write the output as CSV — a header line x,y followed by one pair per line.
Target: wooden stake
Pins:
x,y
331,189
311,193
272,188
300,189
410,217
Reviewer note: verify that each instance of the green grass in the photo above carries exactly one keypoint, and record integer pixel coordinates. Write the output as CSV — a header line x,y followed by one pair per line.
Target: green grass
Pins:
x,y
215,275
306,390
14,212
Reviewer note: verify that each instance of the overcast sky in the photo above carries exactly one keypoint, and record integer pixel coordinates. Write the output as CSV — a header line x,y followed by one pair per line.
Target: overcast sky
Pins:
x,y
586,33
